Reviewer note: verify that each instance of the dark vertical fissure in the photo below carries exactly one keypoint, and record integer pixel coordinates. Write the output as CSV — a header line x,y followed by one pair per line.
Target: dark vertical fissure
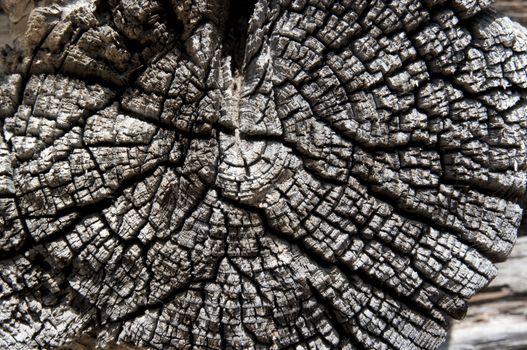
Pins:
x,y
235,31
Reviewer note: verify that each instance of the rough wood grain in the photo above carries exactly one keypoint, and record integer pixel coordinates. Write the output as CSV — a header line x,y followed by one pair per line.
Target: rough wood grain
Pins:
x,y
497,317
274,174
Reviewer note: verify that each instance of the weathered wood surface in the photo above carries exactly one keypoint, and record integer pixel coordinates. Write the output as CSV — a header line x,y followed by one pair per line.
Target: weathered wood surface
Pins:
x,y
497,317
280,174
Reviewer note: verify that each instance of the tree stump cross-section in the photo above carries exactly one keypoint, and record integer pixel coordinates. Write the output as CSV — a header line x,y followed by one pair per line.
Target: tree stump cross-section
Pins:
x,y
271,174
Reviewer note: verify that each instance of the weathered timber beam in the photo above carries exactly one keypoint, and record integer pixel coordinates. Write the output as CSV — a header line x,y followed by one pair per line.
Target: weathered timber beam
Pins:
x,y
271,174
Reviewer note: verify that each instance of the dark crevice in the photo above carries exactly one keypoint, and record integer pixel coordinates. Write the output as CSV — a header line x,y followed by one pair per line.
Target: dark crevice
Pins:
x,y
235,31
40,260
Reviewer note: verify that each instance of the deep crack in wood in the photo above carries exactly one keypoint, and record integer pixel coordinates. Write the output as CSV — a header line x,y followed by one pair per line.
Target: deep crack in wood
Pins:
x,y
271,174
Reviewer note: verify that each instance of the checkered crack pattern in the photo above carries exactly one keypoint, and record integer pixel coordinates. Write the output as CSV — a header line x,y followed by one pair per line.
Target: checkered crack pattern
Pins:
x,y
271,174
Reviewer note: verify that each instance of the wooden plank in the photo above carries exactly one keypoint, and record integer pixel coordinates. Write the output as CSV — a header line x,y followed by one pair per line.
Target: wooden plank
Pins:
x,y
515,9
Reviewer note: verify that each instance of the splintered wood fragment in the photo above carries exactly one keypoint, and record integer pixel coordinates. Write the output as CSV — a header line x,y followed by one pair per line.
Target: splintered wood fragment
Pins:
x,y
228,174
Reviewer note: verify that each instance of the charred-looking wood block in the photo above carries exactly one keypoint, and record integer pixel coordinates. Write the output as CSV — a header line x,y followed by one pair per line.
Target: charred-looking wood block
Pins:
x,y
271,174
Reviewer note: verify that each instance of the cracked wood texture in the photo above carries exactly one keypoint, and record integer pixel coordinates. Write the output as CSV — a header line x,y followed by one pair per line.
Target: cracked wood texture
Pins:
x,y
497,316
271,174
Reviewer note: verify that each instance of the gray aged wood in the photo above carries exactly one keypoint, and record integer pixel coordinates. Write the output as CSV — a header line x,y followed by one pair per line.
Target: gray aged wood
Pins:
x,y
221,174
5,36
497,318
